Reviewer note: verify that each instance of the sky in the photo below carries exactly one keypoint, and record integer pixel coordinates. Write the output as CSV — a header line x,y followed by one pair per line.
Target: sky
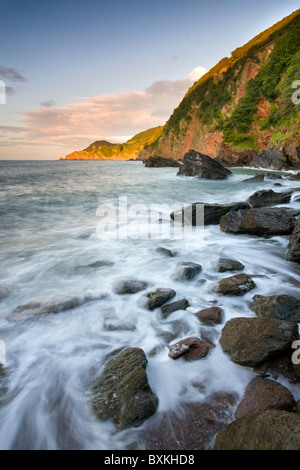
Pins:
x,y
76,71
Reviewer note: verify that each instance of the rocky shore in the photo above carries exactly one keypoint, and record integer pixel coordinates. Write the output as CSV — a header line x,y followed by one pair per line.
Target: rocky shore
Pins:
x,y
267,416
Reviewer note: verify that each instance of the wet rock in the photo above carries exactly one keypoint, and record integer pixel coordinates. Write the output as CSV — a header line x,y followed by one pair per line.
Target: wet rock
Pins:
x,y
4,292
95,265
192,427
165,251
41,307
251,341
113,323
239,284
190,348
186,271
293,252
129,286
266,430
210,316
267,197
298,407
202,166
160,296
280,306
265,221
264,394
123,393
182,304
191,215
296,367
284,157
158,161
262,177
224,264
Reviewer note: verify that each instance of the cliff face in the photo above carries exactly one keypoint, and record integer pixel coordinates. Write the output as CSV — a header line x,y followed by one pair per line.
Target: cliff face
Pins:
x,y
242,109
103,150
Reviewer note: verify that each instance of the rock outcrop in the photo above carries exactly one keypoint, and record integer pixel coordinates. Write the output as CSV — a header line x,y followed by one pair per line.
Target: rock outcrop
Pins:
x,y
159,162
293,253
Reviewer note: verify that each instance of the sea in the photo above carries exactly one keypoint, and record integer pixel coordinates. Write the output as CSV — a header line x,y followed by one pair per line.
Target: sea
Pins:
x,y
73,230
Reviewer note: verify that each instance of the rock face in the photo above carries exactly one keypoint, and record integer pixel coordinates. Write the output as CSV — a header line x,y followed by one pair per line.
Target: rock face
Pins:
x,y
225,264
191,349
293,253
251,341
157,162
210,316
260,222
192,215
159,297
268,197
130,286
123,392
266,430
264,394
279,158
235,285
182,304
281,306
202,166
186,271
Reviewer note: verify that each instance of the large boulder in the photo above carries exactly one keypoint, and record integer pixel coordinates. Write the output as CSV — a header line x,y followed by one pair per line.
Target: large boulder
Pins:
x,y
265,430
192,215
122,392
251,341
260,222
268,197
281,306
293,253
239,284
158,161
202,166
264,394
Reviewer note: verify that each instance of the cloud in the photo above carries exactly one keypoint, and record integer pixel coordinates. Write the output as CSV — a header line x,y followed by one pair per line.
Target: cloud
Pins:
x,y
48,104
197,73
106,116
11,74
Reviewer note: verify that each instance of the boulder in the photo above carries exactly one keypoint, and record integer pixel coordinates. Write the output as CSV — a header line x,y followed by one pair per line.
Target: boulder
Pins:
x,y
129,286
251,341
285,157
182,304
158,161
43,306
122,392
191,426
281,306
264,394
186,271
190,348
192,215
265,430
225,264
262,177
165,252
293,252
160,296
260,222
268,197
239,284
210,316
202,166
